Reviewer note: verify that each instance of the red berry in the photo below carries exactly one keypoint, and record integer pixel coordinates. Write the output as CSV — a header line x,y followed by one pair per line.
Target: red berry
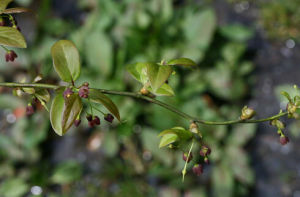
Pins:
x,y
186,158
284,140
198,169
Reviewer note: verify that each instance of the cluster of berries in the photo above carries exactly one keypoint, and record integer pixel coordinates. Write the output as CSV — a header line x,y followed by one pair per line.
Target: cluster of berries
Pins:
x,y
95,120
198,168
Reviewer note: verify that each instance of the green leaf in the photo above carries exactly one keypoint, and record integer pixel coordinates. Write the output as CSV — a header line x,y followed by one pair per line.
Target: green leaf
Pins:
x,y
168,139
3,4
222,181
97,97
164,90
67,172
13,187
72,109
66,60
182,62
158,75
182,133
11,37
138,71
56,113
15,10
237,32
42,95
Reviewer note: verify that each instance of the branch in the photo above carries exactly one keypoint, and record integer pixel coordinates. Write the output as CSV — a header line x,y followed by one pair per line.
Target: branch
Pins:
x,y
149,99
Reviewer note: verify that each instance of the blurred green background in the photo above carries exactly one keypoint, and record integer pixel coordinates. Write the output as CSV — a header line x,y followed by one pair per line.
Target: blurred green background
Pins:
x,y
246,53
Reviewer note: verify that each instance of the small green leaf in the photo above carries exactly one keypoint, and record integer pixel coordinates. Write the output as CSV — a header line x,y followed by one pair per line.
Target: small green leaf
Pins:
x,y
182,133
15,10
56,113
67,172
158,75
66,60
3,4
43,95
182,62
138,71
72,109
168,139
286,95
13,187
11,37
164,90
97,97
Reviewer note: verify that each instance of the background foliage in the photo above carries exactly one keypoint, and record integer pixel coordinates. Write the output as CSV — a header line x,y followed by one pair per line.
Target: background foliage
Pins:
x,y
124,160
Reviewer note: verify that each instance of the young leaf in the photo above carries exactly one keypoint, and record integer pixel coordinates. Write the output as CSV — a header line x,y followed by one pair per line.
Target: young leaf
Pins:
x,y
56,113
138,71
3,4
72,108
11,37
164,90
66,60
168,139
97,97
182,62
42,95
158,75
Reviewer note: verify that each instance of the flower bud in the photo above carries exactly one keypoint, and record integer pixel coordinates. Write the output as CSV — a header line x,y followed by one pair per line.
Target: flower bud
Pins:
x,y
89,117
186,158
67,93
247,113
10,56
84,90
96,120
194,128
205,151
109,118
144,91
277,123
29,110
77,122
206,160
198,169
283,140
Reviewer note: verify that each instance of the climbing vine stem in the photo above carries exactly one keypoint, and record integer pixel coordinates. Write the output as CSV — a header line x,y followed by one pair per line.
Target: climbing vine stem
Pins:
x,y
151,100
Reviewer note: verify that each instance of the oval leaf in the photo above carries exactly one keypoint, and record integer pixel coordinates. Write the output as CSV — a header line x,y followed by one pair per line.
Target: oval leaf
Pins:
x,y
56,113
168,139
66,60
138,71
182,62
72,109
157,74
164,90
3,4
97,97
15,10
11,37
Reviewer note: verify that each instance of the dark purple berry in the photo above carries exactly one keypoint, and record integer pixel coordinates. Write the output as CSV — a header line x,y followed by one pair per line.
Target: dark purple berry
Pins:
x,y
29,110
10,56
186,158
96,120
284,140
67,93
77,122
109,118
198,169
91,123
205,150
89,117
